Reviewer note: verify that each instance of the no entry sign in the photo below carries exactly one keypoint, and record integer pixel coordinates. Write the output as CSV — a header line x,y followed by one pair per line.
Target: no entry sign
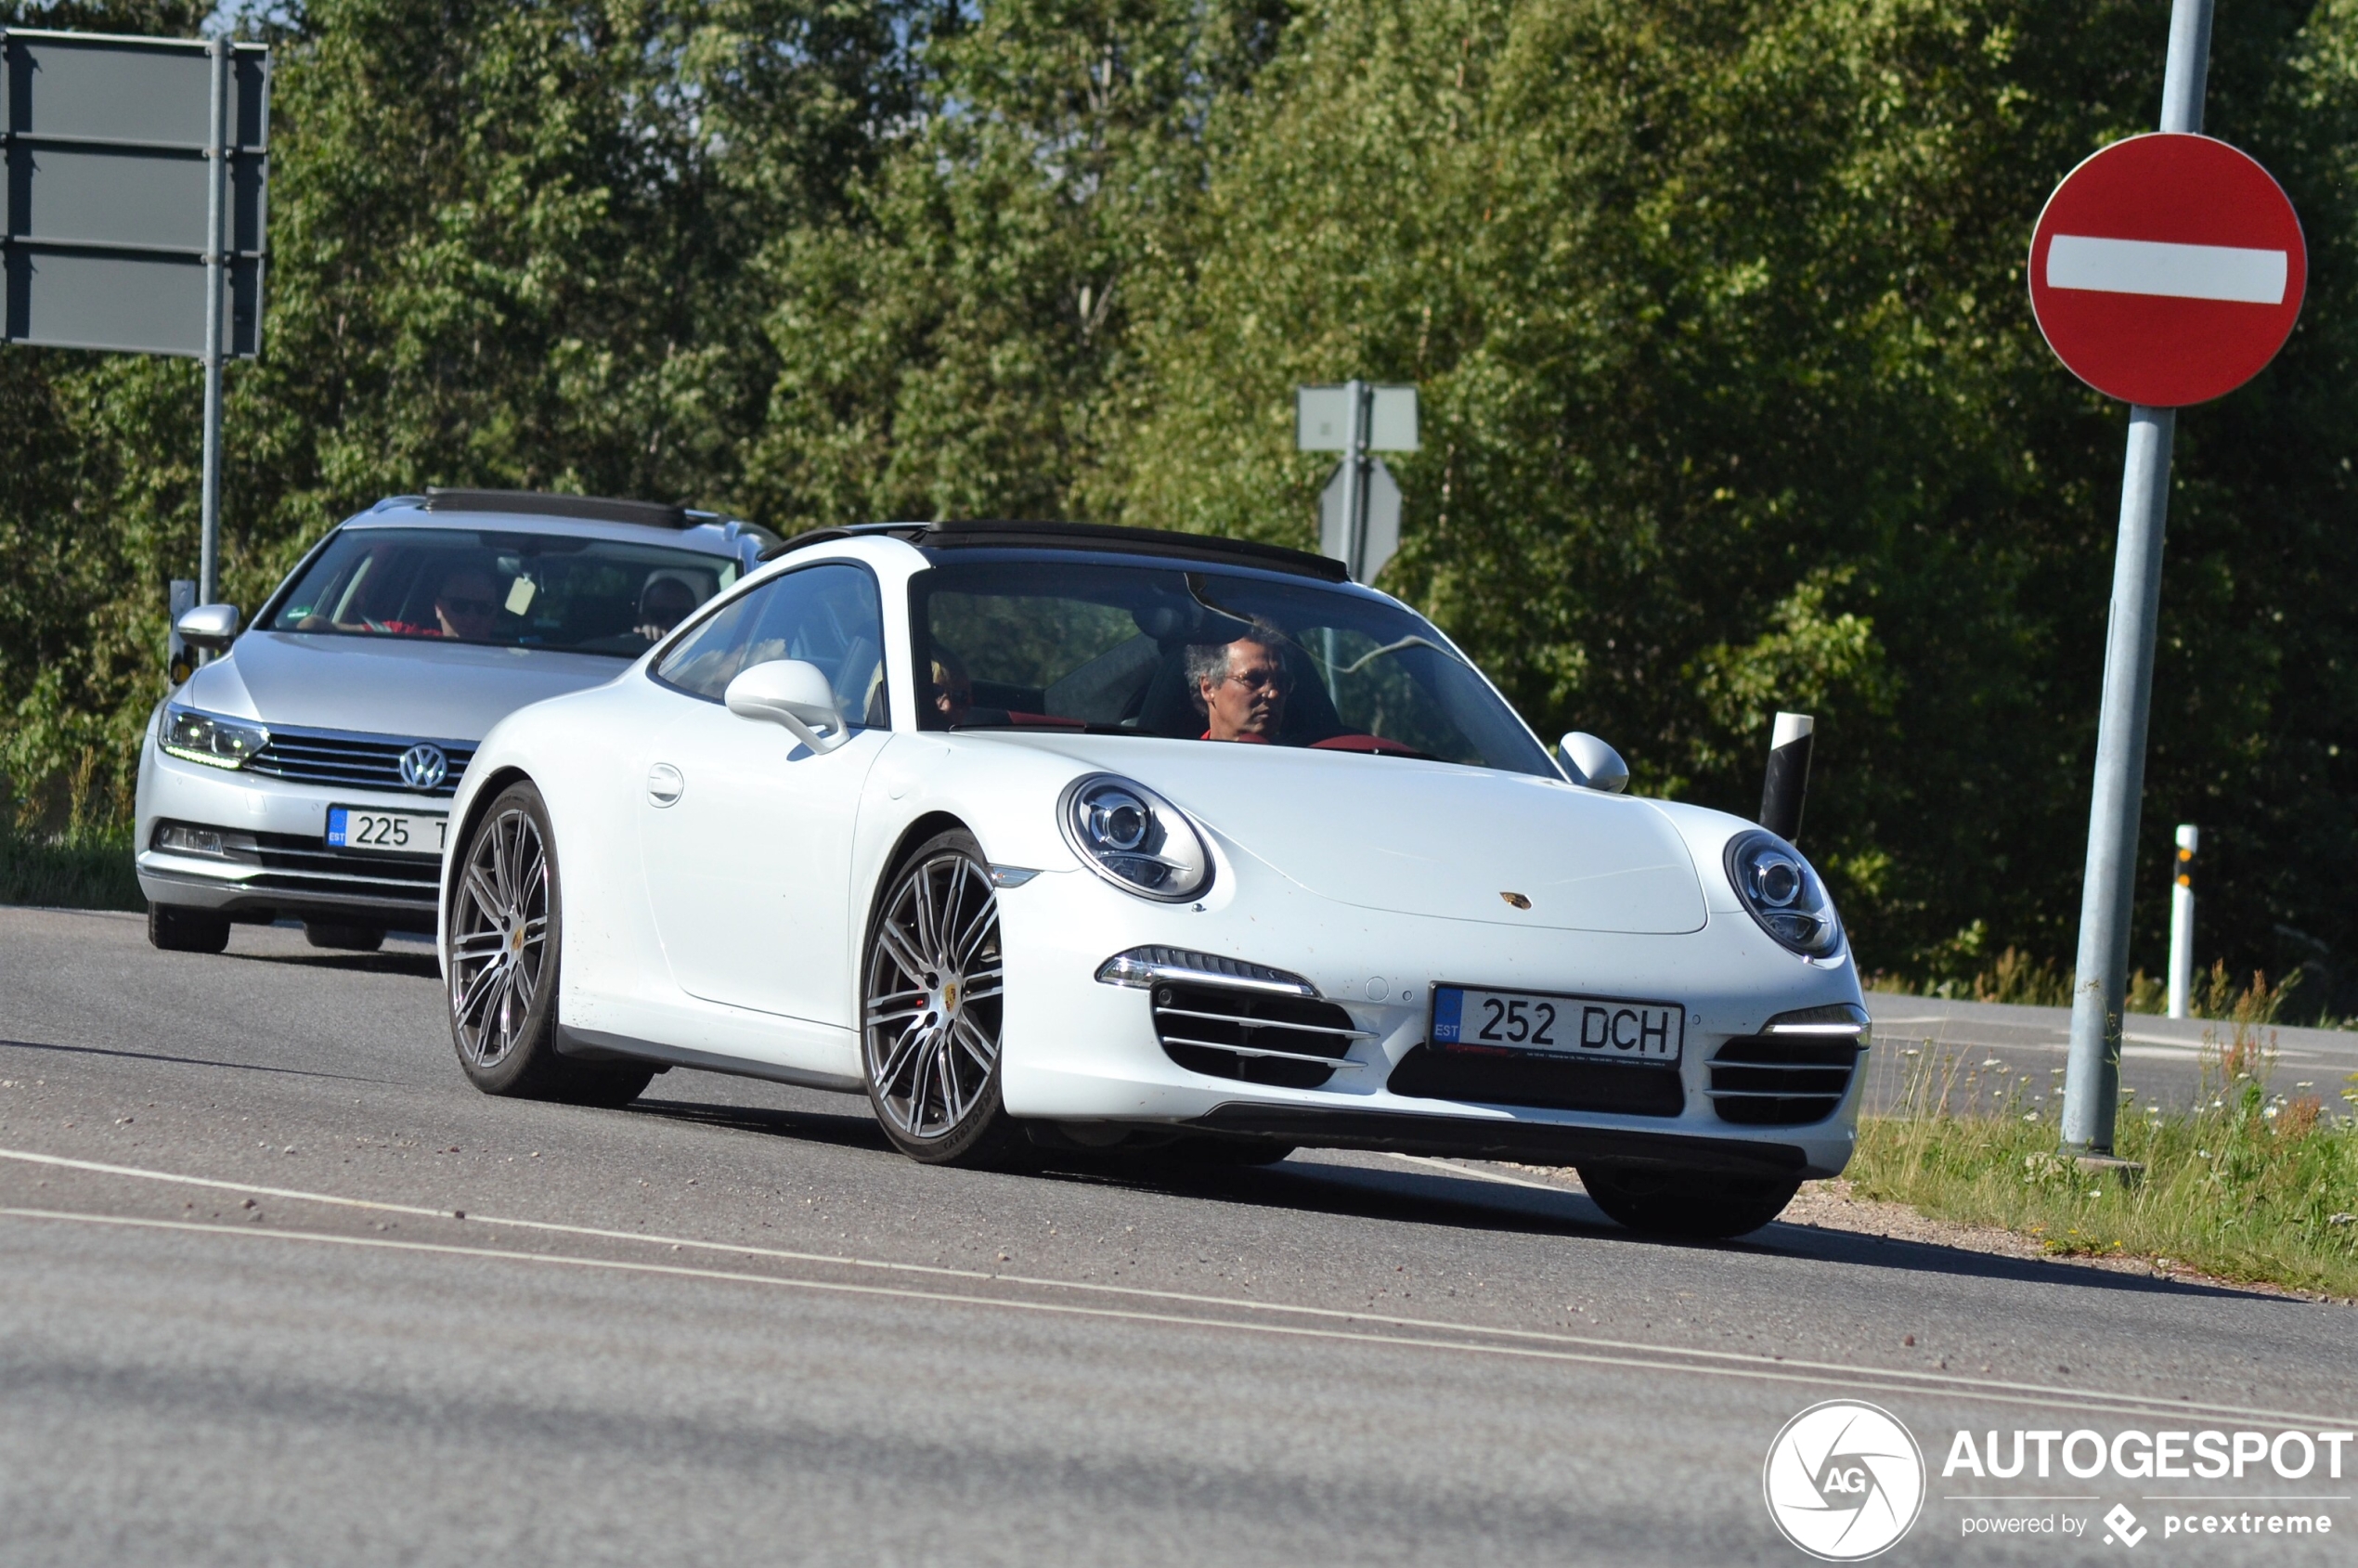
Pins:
x,y
2167,270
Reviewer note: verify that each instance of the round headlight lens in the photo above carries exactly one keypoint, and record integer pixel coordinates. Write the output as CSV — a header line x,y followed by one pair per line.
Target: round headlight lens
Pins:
x,y
1783,894
1135,839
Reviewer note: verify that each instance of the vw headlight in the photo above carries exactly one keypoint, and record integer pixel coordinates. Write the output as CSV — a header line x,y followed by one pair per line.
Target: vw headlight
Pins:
x,y
1135,839
1783,894
221,742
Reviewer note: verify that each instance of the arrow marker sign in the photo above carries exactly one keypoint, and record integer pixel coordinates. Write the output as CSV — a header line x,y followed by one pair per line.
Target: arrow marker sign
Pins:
x,y
2167,270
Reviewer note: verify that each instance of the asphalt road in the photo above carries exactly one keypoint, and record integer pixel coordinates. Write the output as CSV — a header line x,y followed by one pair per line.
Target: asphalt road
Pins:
x,y
243,1321
2009,1051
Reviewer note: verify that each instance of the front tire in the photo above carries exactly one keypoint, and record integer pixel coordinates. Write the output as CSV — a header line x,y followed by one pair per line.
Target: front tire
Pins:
x,y
1697,1205
176,928
931,1010
507,911
342,935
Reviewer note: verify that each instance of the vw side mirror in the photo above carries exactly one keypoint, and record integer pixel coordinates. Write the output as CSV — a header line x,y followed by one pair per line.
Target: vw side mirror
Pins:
x,y
792,693
1592,764
210,627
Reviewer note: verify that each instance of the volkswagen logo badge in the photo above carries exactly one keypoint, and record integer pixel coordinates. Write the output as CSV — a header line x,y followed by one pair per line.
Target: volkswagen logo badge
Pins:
x,y
423,766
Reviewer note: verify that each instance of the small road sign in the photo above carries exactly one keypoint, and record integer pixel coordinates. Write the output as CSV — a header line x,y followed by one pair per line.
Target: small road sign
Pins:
x,y
1359,511
2167,270
1380,539
131,215
1323,415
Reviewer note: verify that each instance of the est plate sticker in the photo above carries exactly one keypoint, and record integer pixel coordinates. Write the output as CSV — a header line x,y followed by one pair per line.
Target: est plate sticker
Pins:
x,y
385,833
1613,1028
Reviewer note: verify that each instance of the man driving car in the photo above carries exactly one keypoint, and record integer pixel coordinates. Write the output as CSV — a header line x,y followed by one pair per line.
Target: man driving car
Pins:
x,y
1241,686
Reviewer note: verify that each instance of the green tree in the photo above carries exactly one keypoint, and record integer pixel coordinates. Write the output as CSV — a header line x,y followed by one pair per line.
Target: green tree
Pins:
x,y
512,245
944,346
1733,402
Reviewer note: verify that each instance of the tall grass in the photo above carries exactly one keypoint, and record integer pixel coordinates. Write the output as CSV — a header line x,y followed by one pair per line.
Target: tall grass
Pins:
x,y
2245,1183
82,861
2015,977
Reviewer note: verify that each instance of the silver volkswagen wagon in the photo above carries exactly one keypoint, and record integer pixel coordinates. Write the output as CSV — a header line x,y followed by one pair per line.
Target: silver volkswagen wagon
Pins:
x,y
307,771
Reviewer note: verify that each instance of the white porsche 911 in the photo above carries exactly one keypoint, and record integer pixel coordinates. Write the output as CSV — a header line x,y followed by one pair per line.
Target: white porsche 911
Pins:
x,y
1050,835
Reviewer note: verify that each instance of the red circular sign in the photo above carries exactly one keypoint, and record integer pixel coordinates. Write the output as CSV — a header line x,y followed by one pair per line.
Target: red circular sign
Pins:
x,y
2167,270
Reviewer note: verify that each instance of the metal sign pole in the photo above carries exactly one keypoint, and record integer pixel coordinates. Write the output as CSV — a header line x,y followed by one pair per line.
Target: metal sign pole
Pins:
x,y
1354,495
2091,1078
217,285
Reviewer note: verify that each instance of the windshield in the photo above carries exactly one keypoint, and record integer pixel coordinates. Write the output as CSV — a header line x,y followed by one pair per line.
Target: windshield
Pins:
x,y
1200,655
513,591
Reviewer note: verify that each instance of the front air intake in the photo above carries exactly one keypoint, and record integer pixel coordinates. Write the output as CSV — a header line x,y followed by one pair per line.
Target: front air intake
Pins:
x,y
1780,1081
1255,1036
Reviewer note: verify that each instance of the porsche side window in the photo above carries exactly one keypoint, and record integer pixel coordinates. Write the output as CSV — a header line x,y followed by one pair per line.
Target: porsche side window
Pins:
x,y
826,616
708,658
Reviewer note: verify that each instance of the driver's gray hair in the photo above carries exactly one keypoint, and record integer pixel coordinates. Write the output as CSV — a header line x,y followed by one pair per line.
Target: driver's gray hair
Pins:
x,y
1208,661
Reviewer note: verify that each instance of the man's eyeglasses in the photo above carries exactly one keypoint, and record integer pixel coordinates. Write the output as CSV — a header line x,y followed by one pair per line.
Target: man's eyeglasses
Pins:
x,y
471,606
1265,679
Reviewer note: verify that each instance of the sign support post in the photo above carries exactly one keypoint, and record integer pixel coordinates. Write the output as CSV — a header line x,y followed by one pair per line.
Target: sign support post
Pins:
x,y
2092,1073
217,286
1355,476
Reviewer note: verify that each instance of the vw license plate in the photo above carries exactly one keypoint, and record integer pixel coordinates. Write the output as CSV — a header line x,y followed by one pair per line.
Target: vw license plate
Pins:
x,y
1609,1028
385,833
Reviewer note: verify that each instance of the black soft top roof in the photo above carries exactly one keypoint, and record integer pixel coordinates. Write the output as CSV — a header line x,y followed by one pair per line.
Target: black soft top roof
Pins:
x,y
979,534
599,509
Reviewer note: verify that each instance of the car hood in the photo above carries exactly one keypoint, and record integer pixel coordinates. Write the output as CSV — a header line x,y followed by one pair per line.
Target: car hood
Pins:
x,y
380,686
1427,837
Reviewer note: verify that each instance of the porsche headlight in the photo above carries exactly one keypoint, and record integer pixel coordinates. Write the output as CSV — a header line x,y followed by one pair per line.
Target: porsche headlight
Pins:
x,y
1783,894
200,737
1135,839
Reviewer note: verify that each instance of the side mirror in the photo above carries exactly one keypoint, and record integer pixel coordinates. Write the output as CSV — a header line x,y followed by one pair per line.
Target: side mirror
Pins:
x,y
210,627
1594,765
793,693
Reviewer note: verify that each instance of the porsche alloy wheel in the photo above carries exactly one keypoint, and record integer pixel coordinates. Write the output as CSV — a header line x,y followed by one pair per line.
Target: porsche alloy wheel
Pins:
x,y
506,915
931,1007
499,934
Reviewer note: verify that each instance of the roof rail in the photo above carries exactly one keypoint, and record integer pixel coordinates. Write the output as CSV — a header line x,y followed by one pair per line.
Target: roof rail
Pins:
x,y
979,534
598,509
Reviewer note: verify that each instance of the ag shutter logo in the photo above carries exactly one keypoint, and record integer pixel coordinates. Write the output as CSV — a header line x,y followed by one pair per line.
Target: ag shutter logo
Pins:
x,y
1844,1481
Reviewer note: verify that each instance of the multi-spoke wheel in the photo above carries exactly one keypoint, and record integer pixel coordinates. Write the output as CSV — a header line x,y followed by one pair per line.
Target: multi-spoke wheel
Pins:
x,y
503,930
932,1008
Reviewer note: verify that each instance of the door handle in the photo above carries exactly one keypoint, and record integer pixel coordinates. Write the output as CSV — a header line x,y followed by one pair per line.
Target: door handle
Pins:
x,y
664,785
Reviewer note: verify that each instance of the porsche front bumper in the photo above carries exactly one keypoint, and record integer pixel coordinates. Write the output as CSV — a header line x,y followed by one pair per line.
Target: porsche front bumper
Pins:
x,y
1078,1050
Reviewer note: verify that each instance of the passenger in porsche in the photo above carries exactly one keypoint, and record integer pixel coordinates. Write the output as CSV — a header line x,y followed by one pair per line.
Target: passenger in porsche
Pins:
x,y
1241,686
953,691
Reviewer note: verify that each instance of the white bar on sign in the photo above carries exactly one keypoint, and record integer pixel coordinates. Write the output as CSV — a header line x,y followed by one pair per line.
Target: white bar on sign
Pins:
x,y
2146,267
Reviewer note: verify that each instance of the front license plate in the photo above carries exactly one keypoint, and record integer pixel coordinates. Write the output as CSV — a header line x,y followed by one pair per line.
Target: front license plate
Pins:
x,y
385,833
1609,1029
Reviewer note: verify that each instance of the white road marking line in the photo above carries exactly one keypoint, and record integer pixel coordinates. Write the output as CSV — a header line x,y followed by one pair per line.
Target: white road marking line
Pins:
x,y
1930,1382
2130,1405
2186,272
